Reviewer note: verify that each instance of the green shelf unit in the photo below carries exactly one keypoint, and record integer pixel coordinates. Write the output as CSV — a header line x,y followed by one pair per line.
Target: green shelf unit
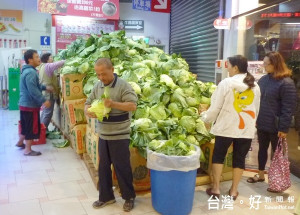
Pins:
x,y
13,88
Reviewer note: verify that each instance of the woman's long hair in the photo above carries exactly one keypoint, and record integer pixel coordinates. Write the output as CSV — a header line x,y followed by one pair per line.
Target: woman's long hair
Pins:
x,y
280,69
242,64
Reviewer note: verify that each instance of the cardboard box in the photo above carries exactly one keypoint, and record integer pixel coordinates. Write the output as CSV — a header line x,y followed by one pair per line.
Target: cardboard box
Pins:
x,y
202,180
94,125
72,86
78,138
88,141
208,149
140,172
62,118
75,112
89,147
94,150
88,120
226,176
93,173
66,121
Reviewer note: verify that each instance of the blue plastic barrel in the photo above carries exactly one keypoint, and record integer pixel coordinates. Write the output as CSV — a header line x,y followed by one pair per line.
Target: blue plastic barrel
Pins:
x,y
172,192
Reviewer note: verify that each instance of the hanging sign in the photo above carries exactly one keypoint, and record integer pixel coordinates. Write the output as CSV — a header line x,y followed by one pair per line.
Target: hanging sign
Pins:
x,y
133,25
163,6
105,9
249,24
141,5
222,23
11,22
45,41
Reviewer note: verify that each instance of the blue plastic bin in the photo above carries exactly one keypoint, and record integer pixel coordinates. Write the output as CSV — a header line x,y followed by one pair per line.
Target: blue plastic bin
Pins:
x,y
173,191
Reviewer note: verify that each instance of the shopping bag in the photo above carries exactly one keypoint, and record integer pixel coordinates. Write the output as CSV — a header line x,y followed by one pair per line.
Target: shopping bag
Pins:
x,y
297,209
279,172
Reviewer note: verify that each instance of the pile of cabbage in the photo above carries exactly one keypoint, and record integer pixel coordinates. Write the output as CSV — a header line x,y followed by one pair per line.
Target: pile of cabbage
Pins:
x,y
172,147
169,95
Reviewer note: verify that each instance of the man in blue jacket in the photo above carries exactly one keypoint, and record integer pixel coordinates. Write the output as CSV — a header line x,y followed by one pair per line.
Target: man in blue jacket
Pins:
x,y
31,100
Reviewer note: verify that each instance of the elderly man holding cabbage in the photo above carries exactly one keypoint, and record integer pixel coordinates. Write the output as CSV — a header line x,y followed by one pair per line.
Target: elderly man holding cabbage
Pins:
x,y
112,100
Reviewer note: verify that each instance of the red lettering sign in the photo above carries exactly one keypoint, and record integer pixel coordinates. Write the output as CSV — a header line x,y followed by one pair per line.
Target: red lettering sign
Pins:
x,y
222,23
279,15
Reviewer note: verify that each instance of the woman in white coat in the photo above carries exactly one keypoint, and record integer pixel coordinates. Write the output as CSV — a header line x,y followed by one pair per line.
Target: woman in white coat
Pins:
x,y
233,112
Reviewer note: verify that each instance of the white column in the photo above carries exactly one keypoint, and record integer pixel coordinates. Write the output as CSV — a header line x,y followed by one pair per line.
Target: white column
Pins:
x,y
53,40
234,39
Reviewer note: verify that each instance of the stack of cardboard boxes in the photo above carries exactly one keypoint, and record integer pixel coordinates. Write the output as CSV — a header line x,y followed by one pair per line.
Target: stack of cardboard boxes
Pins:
x,y
140,172
73,121
91,141
208,149
91,157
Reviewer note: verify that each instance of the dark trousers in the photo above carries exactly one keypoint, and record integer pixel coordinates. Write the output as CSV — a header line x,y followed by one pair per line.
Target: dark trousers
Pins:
x,y
241,147
115,152
264,139
30,124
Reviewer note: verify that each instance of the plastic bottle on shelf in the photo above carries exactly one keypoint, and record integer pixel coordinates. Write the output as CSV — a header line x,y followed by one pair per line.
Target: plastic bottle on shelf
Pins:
x,y
5,43
15,44
20,43
10,43
1,43
24,43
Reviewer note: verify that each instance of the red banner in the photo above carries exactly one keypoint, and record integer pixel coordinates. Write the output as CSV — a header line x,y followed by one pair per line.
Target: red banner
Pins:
x,y
163,6
69,28
104,9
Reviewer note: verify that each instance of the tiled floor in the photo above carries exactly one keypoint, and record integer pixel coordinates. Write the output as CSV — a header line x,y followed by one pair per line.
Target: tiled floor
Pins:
x,y
58,183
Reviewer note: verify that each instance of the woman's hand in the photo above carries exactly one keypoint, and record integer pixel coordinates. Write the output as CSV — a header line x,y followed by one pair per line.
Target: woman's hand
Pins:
x,y
49,88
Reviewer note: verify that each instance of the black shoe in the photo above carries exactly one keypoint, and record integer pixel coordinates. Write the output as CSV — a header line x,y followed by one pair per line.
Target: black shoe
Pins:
x,y
20,145
33,153
128,205
97,204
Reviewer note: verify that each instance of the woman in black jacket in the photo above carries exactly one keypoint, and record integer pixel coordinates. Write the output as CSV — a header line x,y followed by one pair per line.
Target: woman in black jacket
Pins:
x,y
277,106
